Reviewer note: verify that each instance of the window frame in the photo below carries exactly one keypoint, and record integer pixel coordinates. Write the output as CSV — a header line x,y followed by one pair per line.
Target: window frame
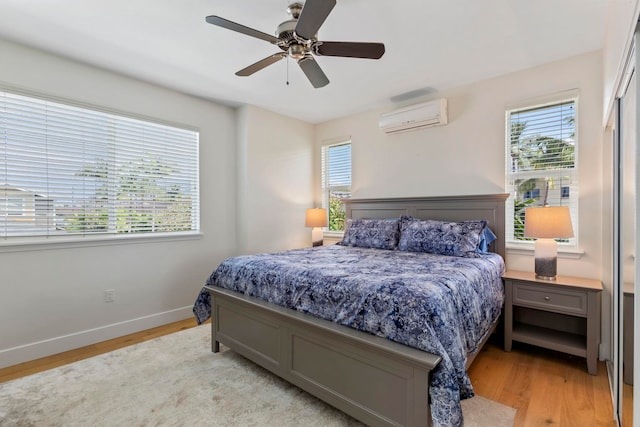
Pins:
x,y
324,172
39,241
570,246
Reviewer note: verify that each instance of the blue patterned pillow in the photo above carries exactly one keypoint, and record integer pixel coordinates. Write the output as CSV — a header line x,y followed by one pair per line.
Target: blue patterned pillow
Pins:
x,y
372,233
440,237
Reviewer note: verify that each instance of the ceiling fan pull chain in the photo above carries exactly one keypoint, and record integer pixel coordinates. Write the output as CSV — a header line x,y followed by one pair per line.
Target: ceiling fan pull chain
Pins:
x,y
287,70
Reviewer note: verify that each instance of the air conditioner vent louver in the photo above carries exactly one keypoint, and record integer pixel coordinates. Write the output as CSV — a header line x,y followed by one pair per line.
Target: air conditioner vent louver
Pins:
x,y
427,114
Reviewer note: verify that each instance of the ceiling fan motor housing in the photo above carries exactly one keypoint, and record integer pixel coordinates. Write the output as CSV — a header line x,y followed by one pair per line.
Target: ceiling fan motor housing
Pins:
x,y
290,42
285,32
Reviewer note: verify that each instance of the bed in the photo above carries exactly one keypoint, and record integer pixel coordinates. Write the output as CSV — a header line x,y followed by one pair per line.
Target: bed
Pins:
x,y
364,365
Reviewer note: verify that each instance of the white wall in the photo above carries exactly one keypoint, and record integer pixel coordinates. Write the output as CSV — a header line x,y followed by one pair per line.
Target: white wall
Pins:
x,y
275,181
256,174
466,156
53,300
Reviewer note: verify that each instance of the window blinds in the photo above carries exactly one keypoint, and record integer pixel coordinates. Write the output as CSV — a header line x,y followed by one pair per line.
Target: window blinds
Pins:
x,y
541,161
336,181
67,170
338,169
543,138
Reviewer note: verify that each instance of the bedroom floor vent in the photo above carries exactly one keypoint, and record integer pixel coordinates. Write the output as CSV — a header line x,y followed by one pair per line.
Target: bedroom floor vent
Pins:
x,y
418,116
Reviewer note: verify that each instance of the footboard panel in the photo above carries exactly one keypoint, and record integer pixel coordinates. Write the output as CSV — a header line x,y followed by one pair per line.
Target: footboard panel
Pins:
x,y
379,382
380,388
251,334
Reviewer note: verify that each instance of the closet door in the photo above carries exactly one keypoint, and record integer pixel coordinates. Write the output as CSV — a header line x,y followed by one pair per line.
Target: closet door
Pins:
x,y
627,242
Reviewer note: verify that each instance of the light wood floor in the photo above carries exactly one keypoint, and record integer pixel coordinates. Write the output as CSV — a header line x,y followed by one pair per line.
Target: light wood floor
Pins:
x,y
546,388
56,360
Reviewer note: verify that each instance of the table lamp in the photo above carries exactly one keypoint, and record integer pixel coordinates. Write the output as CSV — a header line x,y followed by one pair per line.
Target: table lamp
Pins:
x,y
546,224
316,218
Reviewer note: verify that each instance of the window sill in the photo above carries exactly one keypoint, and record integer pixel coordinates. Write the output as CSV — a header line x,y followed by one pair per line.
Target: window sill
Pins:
x,y
39,244
333,234
523,249
331,237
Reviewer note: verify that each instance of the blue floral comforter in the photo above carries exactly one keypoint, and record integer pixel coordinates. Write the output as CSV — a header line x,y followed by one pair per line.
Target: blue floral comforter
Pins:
x,y
443,305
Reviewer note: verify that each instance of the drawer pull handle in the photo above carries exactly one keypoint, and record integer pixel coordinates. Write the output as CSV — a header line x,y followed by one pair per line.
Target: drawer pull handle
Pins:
x,y
547,298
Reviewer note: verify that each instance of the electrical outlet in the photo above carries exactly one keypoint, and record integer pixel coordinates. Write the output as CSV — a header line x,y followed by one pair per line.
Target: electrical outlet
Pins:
x,y
109,295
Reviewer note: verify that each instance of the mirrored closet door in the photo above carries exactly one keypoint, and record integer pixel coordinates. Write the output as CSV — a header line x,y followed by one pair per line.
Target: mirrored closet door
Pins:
x,y
626,208
627,244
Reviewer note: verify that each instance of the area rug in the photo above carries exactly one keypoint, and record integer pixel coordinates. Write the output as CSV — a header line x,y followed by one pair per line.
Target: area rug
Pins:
x,y
175,380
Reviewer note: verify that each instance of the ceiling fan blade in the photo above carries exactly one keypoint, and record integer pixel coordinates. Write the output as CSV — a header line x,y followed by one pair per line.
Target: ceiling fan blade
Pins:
x,y
261,64
313,15
230,25
349,49
313,72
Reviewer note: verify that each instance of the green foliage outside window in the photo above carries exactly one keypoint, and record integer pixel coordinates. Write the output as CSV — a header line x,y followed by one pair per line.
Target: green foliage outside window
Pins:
x,y
146,200
518,217
336,214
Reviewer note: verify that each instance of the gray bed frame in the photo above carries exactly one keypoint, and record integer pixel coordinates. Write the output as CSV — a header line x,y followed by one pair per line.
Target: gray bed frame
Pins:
x,y
378,382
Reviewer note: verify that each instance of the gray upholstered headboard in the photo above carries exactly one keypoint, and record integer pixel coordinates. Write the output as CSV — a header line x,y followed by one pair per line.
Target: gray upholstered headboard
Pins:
x,y
489,207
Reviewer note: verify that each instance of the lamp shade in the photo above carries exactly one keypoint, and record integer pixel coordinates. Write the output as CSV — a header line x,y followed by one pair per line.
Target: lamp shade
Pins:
x,y
549,222
316,217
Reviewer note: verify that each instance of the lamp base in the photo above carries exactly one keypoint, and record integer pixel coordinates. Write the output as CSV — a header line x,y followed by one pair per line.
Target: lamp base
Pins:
x,y
546,268
546,259
316,236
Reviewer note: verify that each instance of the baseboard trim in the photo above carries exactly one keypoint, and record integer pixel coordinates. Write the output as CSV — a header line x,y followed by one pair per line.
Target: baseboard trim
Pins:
x,y
24,353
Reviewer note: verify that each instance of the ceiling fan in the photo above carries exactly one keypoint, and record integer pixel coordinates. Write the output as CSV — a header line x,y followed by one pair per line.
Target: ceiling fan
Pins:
x,y
298,39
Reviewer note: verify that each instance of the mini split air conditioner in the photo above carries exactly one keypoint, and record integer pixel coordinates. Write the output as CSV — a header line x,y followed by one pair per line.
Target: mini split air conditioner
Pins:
x,y
419,116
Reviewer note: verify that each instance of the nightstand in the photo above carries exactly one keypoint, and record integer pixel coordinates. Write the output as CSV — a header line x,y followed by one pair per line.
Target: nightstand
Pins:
x,y
562,315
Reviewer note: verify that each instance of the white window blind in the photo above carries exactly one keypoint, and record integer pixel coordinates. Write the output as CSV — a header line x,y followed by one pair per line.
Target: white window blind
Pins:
x,y
67,170
541,159
336,182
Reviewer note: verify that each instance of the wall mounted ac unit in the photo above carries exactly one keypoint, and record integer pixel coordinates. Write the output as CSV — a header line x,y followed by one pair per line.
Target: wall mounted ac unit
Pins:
x,y
418,116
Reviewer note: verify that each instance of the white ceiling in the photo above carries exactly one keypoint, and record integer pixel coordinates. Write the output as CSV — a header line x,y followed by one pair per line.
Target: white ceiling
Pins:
x,y
431,45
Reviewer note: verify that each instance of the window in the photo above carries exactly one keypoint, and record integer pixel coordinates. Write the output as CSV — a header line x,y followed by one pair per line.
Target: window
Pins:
x,y
336,182
541,159
68,170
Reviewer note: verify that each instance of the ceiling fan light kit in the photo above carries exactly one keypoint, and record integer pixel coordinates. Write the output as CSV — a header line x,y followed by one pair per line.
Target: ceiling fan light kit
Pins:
x,y
298,39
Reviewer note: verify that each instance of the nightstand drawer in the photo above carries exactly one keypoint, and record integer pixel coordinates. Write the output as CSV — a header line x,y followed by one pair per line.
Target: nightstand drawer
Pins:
x,y
559,300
